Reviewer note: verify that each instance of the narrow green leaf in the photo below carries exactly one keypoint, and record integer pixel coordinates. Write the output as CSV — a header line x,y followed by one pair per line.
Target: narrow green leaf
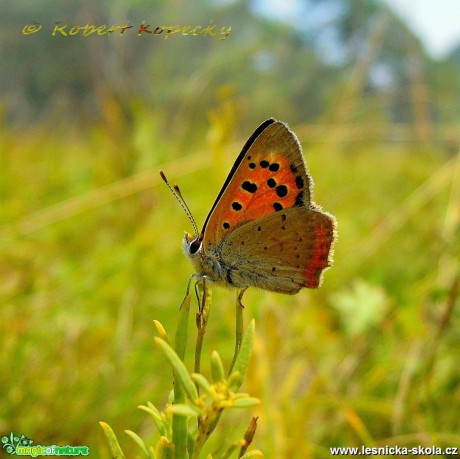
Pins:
x,y
201,381
156,418
238,331
154,409
179,423
244,355
160,330
138,440
184,410
112,441
180,344
183,385
179,368
217,367
253,453
245,402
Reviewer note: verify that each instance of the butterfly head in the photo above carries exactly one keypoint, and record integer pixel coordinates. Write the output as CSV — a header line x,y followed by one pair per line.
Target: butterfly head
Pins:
x,y
192,245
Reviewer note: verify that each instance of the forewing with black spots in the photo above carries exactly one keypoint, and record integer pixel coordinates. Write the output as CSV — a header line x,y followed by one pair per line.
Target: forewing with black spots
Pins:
x,y
269,176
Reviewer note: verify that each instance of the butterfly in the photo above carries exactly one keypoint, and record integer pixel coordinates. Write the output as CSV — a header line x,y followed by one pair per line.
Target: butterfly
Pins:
x,y
263,229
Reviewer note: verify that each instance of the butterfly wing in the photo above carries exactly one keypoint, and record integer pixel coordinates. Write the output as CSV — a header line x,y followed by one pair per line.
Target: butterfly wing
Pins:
x,y
286,251
268,176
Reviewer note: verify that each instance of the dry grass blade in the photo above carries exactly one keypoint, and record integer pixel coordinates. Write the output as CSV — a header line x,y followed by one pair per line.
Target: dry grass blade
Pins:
x,y
403,212
105,195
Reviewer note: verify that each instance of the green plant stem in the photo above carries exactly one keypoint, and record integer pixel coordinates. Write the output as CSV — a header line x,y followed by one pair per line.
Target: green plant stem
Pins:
x,y
238,330
238,342
179,423
199,343
204,293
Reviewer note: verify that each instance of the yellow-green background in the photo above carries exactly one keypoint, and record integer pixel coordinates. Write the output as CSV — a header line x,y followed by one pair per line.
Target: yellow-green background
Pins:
x,y
90,238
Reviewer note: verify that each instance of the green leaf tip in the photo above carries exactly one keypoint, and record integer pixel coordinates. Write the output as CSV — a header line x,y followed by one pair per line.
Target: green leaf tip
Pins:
x,y
244,356
160,329
138,440
201,381
179,369
245,402
217,367
112,441
183,410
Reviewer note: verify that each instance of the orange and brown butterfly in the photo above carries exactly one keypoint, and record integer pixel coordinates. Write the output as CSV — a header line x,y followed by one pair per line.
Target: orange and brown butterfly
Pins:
x,y
264,229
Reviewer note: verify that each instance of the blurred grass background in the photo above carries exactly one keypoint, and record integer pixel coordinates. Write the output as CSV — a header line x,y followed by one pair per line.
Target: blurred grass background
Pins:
x,y
90,241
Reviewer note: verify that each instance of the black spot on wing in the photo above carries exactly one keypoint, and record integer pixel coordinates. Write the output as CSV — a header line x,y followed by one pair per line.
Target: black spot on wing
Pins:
x,y
236,205
281,191
248,186
299,200
271,182
243,154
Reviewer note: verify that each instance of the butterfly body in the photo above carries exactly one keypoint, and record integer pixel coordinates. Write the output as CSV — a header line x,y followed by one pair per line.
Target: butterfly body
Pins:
x,y
263,229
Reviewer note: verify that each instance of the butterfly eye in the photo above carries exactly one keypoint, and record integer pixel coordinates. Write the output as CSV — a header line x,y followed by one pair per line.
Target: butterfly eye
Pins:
x,y
195,246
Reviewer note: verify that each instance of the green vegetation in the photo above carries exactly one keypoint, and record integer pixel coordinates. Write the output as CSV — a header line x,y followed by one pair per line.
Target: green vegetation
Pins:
x,y
90,238
371,357
179,436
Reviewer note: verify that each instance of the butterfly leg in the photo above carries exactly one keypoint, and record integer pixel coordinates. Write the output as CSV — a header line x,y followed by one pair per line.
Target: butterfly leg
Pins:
x,y
240,297
187,292
202,295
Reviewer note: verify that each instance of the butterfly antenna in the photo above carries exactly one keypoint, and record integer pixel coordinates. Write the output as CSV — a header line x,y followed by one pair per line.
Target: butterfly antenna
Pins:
x,y
180,199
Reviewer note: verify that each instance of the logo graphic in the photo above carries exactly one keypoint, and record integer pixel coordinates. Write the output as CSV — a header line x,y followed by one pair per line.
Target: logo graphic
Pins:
x,y
13,441
21,446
